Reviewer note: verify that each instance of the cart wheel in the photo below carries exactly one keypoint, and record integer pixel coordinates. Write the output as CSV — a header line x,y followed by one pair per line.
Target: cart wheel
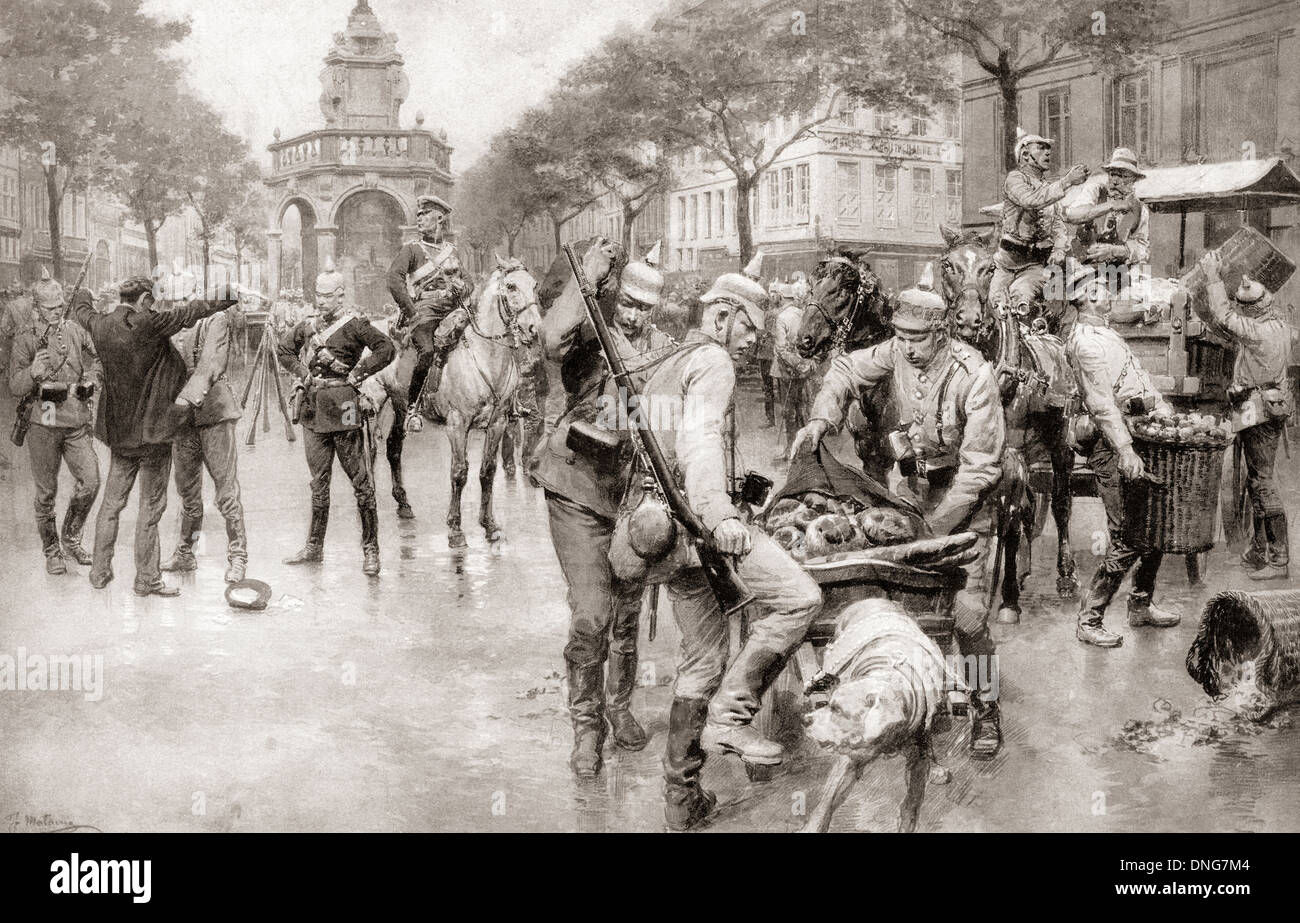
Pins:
x,y
1198,566
759,773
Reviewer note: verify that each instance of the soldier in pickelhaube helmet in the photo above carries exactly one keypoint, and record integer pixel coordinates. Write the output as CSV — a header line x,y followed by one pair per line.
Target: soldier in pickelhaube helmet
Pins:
x,y
949,449
54,361
583,490
325,354
429,282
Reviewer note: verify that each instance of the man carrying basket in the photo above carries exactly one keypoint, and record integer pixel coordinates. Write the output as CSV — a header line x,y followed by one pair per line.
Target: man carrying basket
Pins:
x,y
1111,385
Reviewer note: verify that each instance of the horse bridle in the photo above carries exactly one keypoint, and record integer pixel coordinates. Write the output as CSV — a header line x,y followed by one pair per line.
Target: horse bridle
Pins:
x,y
841,328
508,320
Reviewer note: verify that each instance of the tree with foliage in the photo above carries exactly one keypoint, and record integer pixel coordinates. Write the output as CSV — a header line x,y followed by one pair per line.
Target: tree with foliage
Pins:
x,y
1012,39
71,67
247,226
497,197
715,77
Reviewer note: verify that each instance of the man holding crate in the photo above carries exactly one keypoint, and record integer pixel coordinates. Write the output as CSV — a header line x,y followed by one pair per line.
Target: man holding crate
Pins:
x,y
1261,399
1110,382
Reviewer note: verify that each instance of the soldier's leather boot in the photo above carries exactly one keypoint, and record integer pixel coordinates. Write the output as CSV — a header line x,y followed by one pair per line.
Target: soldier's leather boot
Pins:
x,y
54,563
1142,611
769,409
236,551
1256,554
586,700
314,551
370,542
985,729
1278,560
182,558
620,682
73,522
1092,611
686,803
741,693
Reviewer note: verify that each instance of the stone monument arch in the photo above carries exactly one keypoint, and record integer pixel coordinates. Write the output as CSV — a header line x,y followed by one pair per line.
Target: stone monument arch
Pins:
x,y
355,181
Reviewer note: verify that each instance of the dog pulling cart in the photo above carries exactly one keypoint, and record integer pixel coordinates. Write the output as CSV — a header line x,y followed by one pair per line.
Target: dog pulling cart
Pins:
x,y
925,592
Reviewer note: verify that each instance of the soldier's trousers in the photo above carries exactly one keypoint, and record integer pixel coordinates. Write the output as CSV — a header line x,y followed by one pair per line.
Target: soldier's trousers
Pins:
x,y
153,465
47,446
786,601
349,446
1017,279
605,611
213,447
1259,445
795,404
970,608
1119,556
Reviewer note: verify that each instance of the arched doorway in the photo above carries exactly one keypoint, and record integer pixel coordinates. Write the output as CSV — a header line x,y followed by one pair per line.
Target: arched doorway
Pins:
x,y
298,261
370,233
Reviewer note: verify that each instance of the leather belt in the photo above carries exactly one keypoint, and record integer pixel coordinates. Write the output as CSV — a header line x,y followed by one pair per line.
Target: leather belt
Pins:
x,y
1026,251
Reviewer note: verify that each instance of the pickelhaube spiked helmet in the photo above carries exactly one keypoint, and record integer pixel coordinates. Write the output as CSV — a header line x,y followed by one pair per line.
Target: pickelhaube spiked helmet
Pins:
x,y
742,288
47,292
921,309
330,280
641,282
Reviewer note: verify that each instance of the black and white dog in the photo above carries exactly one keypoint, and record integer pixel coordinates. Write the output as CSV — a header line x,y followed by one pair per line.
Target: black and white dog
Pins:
x,y
889,681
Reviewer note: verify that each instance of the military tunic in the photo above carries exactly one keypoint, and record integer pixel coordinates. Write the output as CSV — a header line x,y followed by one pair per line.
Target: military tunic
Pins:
x,y
1109,376
953,413
60,432
1032,227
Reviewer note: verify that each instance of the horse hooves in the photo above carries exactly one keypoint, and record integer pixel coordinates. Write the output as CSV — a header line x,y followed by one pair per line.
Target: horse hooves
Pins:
x,y
493,534
1008,616
456,540
1067,587
404,511
940,775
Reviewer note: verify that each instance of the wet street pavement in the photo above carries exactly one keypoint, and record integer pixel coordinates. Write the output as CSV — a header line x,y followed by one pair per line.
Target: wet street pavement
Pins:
x,y
430,698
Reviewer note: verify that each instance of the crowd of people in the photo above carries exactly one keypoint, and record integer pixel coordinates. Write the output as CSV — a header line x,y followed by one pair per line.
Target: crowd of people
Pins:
x,y
160,406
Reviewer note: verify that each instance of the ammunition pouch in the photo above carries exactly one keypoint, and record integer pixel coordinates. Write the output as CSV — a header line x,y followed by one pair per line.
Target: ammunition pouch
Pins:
x,y
85,390
753,490
54,392
602,447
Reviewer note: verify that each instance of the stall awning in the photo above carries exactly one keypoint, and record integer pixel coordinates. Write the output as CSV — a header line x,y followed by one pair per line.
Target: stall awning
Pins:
x,y
1235,184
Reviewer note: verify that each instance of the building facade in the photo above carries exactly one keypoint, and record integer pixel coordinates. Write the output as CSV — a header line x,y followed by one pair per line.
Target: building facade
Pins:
x,y
864,179
354,182
1224,86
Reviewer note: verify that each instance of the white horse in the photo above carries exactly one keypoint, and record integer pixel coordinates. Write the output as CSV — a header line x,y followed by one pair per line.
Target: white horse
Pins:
x,y
479,383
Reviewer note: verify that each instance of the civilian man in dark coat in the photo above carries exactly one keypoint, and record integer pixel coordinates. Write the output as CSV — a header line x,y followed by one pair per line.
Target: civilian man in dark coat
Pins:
x,y
140,414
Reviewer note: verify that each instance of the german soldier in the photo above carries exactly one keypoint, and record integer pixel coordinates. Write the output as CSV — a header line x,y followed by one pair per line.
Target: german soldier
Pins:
x,y
428,281
714,704
54,361
209,442
326,356
1033,229
1110,381
582,497
1114,224
1259,379
950,453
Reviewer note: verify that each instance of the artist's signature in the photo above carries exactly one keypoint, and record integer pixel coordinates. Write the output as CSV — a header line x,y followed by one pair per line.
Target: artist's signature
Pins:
x,y
22,822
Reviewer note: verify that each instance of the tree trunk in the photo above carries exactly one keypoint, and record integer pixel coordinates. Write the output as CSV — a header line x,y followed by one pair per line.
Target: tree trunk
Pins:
x,y
151,235
1008,82
629,215
744,185
510,242
54,195
239,275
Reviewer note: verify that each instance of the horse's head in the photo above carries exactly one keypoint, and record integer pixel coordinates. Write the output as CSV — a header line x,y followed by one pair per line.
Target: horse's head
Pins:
x,y
966,269
843,286
515,291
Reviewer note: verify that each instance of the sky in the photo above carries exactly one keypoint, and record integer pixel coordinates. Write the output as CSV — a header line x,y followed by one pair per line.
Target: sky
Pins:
x,y
474,65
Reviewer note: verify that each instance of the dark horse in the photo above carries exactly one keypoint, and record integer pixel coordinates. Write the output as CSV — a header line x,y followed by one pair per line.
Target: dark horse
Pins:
x,y
848,310
1035,379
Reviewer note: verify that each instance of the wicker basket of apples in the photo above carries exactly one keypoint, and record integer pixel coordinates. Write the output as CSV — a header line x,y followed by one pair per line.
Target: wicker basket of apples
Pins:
x,y
1172,508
